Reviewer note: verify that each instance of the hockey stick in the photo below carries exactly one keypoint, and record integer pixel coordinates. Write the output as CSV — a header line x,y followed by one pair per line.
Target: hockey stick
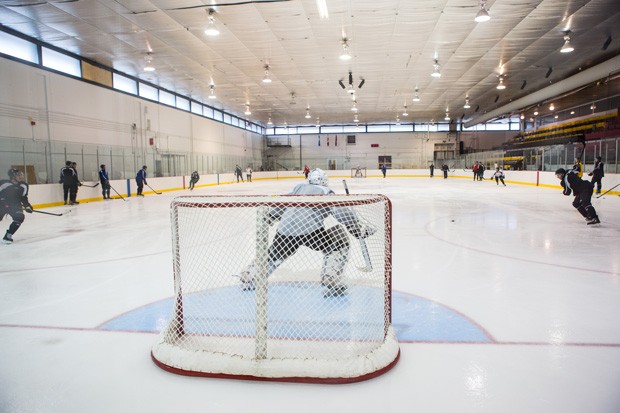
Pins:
x,y
117,193
91,186
610,189
46,213
362,241
158,193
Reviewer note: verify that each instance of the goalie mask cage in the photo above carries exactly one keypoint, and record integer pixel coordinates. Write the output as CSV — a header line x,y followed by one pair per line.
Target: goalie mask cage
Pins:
x,y
287,328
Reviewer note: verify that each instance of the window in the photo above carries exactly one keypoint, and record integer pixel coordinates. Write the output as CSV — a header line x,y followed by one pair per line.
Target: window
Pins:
x,y
331,129
378,128
19,48
147,92
124,83
196,108
351,140
182,103
167,98
61,62
207,111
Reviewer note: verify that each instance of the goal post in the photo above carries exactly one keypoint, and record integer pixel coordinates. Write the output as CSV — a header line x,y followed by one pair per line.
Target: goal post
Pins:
x,y
314,313
358,172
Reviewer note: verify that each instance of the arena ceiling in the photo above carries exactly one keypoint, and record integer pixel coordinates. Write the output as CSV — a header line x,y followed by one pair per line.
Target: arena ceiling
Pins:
x,y
393,44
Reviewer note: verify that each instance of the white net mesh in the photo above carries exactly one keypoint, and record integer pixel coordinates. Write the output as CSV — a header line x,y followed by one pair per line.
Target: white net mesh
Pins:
x,y
280,287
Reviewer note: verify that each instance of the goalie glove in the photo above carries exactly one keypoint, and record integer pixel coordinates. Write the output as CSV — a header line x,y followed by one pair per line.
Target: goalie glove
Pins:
x,y
362,230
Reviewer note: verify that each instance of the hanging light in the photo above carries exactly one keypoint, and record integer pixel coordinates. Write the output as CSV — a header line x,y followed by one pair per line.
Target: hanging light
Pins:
x,y
535,113
318,121
436,72
211,29
354,107
247,109
501,85
267,78
212,91
522,116
592,106
269,122
466,105
308,113
551,107
397,120
355,119
483,14
447,114
345,55
567,47
416,96
148,66
405,110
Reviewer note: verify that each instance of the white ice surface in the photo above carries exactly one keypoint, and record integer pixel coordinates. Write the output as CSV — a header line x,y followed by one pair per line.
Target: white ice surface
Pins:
x,y
519,261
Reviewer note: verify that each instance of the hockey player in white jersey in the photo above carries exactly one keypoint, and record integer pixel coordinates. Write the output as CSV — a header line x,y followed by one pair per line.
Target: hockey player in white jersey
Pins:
x,y
304,226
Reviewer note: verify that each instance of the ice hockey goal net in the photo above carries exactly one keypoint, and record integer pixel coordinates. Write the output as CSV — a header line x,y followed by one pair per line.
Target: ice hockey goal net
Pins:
x,y
318,313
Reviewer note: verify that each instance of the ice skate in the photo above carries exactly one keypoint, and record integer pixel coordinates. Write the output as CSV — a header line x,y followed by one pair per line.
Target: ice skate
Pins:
x,y
593,221
8,238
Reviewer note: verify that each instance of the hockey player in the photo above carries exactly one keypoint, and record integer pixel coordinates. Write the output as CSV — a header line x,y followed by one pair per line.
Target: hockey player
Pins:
x,y
582,190
141,180
498,175
332,242
193,179
105,182
67,174
14,196
598,173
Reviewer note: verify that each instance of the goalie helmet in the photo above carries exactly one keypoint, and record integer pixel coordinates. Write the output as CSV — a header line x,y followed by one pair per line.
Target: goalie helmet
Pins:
x,y
317,177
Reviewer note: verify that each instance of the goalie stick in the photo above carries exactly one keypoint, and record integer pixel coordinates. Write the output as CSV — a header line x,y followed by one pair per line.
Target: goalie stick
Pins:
x,y
362,241
158,193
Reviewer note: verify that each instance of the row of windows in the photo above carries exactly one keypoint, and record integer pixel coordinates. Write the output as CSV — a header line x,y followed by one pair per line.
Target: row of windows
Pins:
x,y
409,127
23,49
26,50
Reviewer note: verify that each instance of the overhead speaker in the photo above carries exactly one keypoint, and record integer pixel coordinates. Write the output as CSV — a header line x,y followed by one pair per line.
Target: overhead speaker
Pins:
x,y
342,84
361,84
496,98
607,43
523,84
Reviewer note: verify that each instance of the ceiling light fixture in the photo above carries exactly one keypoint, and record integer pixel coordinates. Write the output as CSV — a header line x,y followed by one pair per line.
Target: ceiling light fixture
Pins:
x,y
551,107
405,110
318,121
148,66
308,113
211,29
211,91
447,114
483,14
322,5
501,85
436,72
267,78
269,122
397,120
535,113
567,47
593,106
466,105
247,109
522,116
354,108
355,119
416,96
345,55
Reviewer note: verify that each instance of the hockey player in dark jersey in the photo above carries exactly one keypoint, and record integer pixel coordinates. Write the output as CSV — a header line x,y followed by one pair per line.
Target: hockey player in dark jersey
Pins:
x,y
582,190
105,182
14,196
67,178
305,227
193,179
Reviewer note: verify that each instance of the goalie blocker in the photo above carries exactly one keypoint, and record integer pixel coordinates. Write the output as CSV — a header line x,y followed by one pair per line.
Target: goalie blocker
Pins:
x,y
311,314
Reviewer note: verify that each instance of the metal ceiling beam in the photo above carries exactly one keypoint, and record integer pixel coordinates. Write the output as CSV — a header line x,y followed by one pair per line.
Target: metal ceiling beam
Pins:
x,y
588,76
